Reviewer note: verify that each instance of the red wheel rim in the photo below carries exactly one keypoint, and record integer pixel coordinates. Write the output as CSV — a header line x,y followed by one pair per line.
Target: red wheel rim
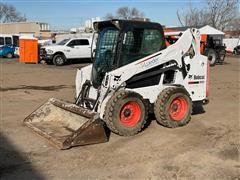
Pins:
x,y
130,114
178,108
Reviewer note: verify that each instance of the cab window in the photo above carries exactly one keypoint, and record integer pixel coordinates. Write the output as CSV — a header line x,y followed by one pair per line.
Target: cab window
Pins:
x,y
72,43
139,43
8,40
1,41
16,41
78,42
84,42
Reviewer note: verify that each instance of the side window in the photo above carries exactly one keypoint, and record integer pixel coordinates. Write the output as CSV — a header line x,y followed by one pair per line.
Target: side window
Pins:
x,y
72,43
131,47
84,42
139,43
77,42
152,40
16,40
106,49
1,41
8,40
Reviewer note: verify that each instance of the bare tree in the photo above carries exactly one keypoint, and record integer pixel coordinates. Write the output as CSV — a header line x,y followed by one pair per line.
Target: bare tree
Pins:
x,y
217,13
234,25
222,12
193,17
8,13
126,13
109,16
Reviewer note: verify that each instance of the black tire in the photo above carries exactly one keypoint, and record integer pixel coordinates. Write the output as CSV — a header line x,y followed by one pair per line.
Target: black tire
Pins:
x,y
221,59
50,62
165,107
212,57
126,113
9,55
59,60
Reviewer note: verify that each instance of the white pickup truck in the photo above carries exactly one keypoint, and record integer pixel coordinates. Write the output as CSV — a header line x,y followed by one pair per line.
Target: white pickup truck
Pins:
x,y
71,48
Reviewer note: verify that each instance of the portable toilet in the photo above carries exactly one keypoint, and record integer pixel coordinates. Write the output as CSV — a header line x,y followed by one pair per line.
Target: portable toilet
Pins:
x,y
28,49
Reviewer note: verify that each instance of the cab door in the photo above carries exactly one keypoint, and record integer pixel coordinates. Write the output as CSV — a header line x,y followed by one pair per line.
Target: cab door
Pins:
x,y
83,48
79,48
72,51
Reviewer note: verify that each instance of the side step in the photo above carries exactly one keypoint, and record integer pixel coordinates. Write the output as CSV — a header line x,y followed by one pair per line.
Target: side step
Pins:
x,y
66,125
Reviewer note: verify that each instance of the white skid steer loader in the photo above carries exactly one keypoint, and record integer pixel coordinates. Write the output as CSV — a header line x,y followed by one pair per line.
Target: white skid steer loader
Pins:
x,y
133,73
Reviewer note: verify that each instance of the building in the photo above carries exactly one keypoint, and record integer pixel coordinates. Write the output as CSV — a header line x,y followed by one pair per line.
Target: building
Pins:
x,y
87,27
37,29
232,33
89,22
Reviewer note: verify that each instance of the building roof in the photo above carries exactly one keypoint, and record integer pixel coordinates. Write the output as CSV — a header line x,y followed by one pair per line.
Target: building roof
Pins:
x,y
210,30
28,37
203,30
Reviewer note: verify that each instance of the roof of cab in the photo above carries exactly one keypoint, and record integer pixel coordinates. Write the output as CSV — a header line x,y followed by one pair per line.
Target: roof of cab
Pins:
x,y
126,24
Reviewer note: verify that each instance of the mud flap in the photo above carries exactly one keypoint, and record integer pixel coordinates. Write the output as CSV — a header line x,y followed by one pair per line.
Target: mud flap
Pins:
x,y
66,125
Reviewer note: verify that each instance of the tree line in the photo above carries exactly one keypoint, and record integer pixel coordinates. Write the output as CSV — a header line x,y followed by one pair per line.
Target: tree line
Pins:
x,y
8,13
220,14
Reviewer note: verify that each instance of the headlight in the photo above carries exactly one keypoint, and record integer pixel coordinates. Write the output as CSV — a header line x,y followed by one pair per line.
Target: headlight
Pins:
x,y
49,51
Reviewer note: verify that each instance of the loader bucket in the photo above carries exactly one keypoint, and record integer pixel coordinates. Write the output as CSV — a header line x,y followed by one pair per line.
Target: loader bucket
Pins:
x,y
66,125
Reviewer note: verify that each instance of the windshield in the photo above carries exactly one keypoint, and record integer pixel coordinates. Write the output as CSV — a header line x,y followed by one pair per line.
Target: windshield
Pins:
x,y
105,54
139,43
63,42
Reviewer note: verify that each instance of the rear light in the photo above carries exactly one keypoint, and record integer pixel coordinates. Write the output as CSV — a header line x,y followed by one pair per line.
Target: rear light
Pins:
x,y
207,79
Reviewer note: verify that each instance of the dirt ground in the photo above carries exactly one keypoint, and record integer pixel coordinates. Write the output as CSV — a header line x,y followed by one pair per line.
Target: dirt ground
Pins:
x,y
207,148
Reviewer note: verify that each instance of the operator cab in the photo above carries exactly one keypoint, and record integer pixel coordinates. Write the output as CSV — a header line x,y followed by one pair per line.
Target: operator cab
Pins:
x,y
121,42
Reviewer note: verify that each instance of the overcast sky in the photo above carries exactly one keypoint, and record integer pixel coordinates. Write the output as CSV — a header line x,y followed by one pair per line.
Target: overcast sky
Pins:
x,y
64,14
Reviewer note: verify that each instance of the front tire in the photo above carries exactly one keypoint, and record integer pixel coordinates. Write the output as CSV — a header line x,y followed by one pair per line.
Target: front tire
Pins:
x,y
173,107
9,55
59,60
126,113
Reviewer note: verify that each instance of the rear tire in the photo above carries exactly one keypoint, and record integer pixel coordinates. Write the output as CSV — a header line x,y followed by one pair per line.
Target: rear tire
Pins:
x,y
9,55
59,60
126,113
221,59
212,57
173,107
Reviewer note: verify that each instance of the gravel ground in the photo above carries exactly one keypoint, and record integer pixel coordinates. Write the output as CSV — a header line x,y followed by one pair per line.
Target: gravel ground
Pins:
x,y
207,148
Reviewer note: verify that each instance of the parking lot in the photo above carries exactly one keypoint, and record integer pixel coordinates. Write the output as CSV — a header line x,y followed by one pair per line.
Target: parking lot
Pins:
x,y
207,148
